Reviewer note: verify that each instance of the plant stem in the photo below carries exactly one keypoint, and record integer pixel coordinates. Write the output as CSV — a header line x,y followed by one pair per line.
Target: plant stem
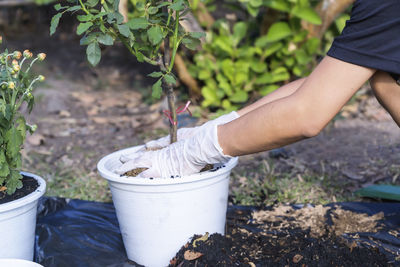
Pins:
x,y
169,90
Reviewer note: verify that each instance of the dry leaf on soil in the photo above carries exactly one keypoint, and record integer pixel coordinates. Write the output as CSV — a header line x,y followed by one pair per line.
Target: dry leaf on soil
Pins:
x,y
190,255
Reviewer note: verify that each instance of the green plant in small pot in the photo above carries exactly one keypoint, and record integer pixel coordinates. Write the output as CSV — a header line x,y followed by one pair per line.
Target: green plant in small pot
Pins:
x,y
154,214
19,191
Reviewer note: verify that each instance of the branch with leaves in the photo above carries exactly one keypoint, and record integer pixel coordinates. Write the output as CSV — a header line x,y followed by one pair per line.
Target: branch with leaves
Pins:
x,y
155,23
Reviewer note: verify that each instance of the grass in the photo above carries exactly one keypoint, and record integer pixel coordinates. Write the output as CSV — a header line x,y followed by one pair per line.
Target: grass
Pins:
x,y
264,186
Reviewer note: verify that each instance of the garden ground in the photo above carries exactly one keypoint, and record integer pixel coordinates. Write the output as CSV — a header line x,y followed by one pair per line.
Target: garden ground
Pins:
x,y
85,113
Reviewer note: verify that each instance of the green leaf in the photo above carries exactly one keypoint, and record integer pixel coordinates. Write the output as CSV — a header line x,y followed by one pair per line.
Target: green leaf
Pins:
x,y
58,7
105,39
4,169
312,45
271,49
92,3
84,18
83,27
258,66
138,23
307,14
191,43
281,5
391,192
124,30
224,44
302,57
340,22
155,74
197,35
13,141
239,32
157,89
210,96
87,39
155,34
264,79
268,89
14,182
55,20
178,5
93,53
239,97
153,10
74,8
280,74
170,79
278,31
21,127
256,3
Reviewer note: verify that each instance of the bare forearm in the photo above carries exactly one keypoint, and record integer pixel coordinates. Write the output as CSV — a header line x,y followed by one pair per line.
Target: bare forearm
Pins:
x,y
283,91
297,116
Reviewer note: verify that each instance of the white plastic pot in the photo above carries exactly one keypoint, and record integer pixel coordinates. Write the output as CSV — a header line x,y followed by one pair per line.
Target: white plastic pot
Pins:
x,y
18,263
158,216
18,223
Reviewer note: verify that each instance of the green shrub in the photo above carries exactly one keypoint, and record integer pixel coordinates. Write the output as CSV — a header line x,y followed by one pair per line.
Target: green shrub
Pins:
x,y
238,63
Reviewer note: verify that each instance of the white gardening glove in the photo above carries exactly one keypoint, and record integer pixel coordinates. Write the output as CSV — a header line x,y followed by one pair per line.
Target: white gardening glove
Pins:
x,y
184,133
184,157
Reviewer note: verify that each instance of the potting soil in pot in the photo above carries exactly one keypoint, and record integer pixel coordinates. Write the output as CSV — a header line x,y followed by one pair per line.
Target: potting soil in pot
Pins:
x,y
29,185
83,233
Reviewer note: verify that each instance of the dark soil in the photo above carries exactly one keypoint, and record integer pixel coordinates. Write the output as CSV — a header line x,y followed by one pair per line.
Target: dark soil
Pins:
x,y
258,239
29,186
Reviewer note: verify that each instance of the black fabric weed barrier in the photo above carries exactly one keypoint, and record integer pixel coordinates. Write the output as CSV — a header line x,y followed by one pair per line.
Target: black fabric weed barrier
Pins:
x,y
83,233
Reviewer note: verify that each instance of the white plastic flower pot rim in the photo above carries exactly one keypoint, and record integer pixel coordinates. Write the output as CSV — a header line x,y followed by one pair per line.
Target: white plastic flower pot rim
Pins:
x,y
158,216
18,223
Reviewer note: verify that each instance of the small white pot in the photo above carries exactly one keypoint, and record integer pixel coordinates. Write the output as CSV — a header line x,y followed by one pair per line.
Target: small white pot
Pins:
x,y
158,216
18,223
18,263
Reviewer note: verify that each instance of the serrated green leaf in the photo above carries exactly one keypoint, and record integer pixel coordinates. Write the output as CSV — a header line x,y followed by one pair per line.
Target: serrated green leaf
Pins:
x,y
105,39
21,127
83,27
13,141
307,14
155,34
55,20
124,30
157,89
4,169
14,182
93,53
138,23
169,79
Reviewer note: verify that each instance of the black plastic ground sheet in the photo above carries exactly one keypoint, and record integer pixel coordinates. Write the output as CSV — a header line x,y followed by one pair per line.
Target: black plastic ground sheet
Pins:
x,y
83,233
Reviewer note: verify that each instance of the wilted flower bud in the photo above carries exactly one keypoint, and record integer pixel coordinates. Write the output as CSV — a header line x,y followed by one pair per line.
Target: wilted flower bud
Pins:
x,y
41,78
11,85
28,54
1,39
17,55
41,56
14,62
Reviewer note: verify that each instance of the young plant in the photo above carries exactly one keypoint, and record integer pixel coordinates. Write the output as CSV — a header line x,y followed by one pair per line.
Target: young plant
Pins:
x,y
16,85
153,35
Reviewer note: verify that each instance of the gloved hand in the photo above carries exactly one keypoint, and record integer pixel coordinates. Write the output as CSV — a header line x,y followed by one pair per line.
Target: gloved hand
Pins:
x,y
185,157
184,133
